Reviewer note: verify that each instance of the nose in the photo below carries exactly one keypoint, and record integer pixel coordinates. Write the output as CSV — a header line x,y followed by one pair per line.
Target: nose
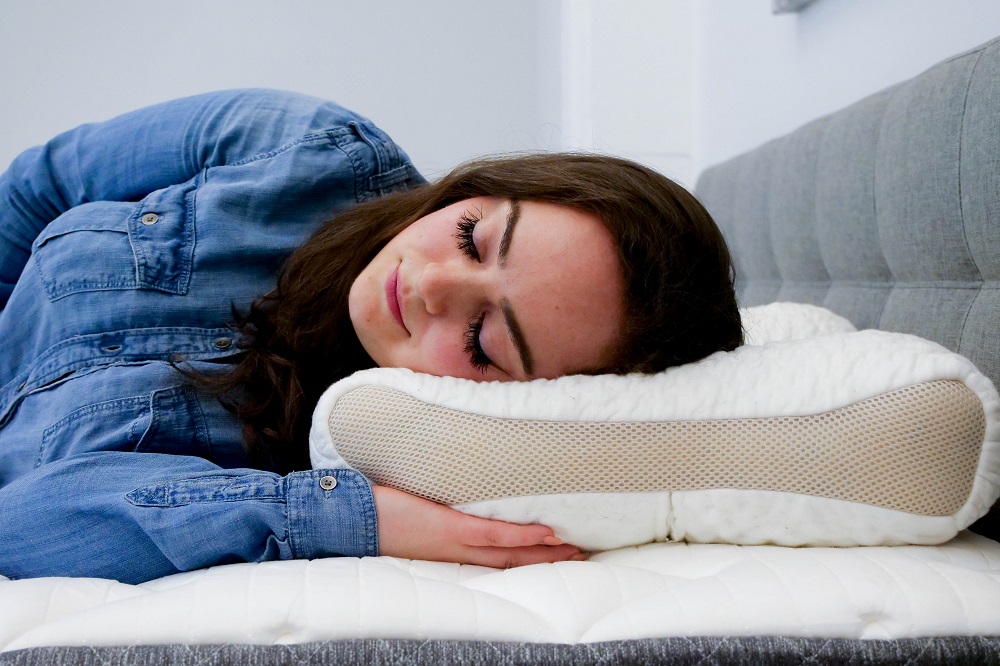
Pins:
x,y
446,288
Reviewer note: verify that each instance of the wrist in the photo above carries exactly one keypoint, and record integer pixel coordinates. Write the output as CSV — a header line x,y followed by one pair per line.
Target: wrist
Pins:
x,y
331,513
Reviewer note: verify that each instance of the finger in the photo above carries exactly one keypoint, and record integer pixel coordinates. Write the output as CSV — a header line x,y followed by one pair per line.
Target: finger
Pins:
x,y
497,533
507,558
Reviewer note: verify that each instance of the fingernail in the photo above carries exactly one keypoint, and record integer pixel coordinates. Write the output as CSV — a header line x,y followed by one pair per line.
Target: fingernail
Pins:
x,y
579,557
552,541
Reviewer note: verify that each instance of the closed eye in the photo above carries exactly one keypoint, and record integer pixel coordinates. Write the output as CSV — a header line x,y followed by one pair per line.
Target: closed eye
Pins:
x,y
477,357
464,234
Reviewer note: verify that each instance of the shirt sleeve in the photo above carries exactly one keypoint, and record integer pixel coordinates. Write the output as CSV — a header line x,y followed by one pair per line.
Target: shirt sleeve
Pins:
x,y
134,518
126,158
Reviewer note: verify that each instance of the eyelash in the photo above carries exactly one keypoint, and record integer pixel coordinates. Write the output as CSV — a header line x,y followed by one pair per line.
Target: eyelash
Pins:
x,y
466,225
479,359
467,244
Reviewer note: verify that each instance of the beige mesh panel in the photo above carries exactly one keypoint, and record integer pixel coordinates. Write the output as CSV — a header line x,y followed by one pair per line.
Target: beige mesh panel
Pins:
x,y
915,450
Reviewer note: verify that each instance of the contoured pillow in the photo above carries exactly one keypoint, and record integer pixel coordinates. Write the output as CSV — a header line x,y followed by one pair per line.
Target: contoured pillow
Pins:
x,y
841,439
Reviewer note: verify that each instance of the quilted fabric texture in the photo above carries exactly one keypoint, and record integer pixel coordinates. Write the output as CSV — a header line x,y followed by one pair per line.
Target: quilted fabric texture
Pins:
x,y
656,590
843,439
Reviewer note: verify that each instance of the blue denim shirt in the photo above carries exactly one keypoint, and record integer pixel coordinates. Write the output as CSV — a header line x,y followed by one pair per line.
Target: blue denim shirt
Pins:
x,y
121,244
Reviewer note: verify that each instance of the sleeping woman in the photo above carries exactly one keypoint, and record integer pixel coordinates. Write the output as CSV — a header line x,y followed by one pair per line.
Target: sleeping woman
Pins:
x,y
180,284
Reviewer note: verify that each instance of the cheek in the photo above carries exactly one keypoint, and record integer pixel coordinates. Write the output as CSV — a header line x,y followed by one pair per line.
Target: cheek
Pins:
x,y
441,352
432,238
361,301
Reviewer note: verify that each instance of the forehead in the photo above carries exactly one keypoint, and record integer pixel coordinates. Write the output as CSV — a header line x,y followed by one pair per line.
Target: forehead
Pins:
x,y
565,287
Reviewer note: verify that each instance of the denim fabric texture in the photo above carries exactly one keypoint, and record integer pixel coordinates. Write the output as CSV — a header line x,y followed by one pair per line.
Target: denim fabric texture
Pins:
x,y
123,243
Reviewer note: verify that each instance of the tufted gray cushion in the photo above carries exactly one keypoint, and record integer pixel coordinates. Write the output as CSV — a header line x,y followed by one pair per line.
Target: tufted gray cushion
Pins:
x,y
887,212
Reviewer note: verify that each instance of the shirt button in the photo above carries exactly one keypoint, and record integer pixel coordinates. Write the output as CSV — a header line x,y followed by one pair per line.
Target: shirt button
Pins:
x,y
223,343
150,218
328,483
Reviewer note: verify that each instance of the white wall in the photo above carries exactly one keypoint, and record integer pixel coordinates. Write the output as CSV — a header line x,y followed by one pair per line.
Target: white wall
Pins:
x,y
448,79
761,75
684,84
677,84
628,80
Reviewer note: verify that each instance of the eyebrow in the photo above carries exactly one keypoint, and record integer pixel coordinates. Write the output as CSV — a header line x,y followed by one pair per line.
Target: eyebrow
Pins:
x,y
513,328
517,336
513,215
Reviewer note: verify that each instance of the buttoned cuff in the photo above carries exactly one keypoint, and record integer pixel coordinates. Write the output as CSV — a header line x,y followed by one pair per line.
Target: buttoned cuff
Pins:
x,y
331,512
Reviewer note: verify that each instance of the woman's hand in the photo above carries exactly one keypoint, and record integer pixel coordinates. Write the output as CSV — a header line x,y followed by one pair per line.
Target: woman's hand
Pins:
x,y
416,528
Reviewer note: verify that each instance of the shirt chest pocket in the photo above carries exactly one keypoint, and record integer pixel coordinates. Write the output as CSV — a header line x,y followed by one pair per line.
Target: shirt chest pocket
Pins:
x,y
106,246
166,421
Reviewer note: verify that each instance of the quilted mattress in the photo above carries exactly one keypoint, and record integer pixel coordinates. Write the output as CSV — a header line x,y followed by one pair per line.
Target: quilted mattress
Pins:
x,y
655,590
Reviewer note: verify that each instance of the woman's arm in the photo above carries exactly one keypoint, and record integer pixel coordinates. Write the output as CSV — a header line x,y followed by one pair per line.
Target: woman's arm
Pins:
x,y
126,158
135,517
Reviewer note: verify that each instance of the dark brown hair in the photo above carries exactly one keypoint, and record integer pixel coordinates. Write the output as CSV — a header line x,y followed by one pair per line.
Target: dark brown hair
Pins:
x,y
298,339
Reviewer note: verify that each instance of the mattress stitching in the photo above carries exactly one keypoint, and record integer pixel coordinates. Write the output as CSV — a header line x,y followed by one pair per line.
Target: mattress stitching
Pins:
x,y
784,583
934,567
573,598
902,593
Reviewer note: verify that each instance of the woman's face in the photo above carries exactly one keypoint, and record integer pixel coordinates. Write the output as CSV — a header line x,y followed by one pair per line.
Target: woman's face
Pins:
x,y
491,289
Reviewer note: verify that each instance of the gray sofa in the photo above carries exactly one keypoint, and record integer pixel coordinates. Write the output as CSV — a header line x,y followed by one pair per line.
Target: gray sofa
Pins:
x,y
887,212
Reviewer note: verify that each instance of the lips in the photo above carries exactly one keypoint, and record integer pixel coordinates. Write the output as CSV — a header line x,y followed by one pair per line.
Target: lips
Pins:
x,y
392,297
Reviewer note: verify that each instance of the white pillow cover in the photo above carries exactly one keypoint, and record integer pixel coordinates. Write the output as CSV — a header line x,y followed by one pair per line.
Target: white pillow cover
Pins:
x,y
811,434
